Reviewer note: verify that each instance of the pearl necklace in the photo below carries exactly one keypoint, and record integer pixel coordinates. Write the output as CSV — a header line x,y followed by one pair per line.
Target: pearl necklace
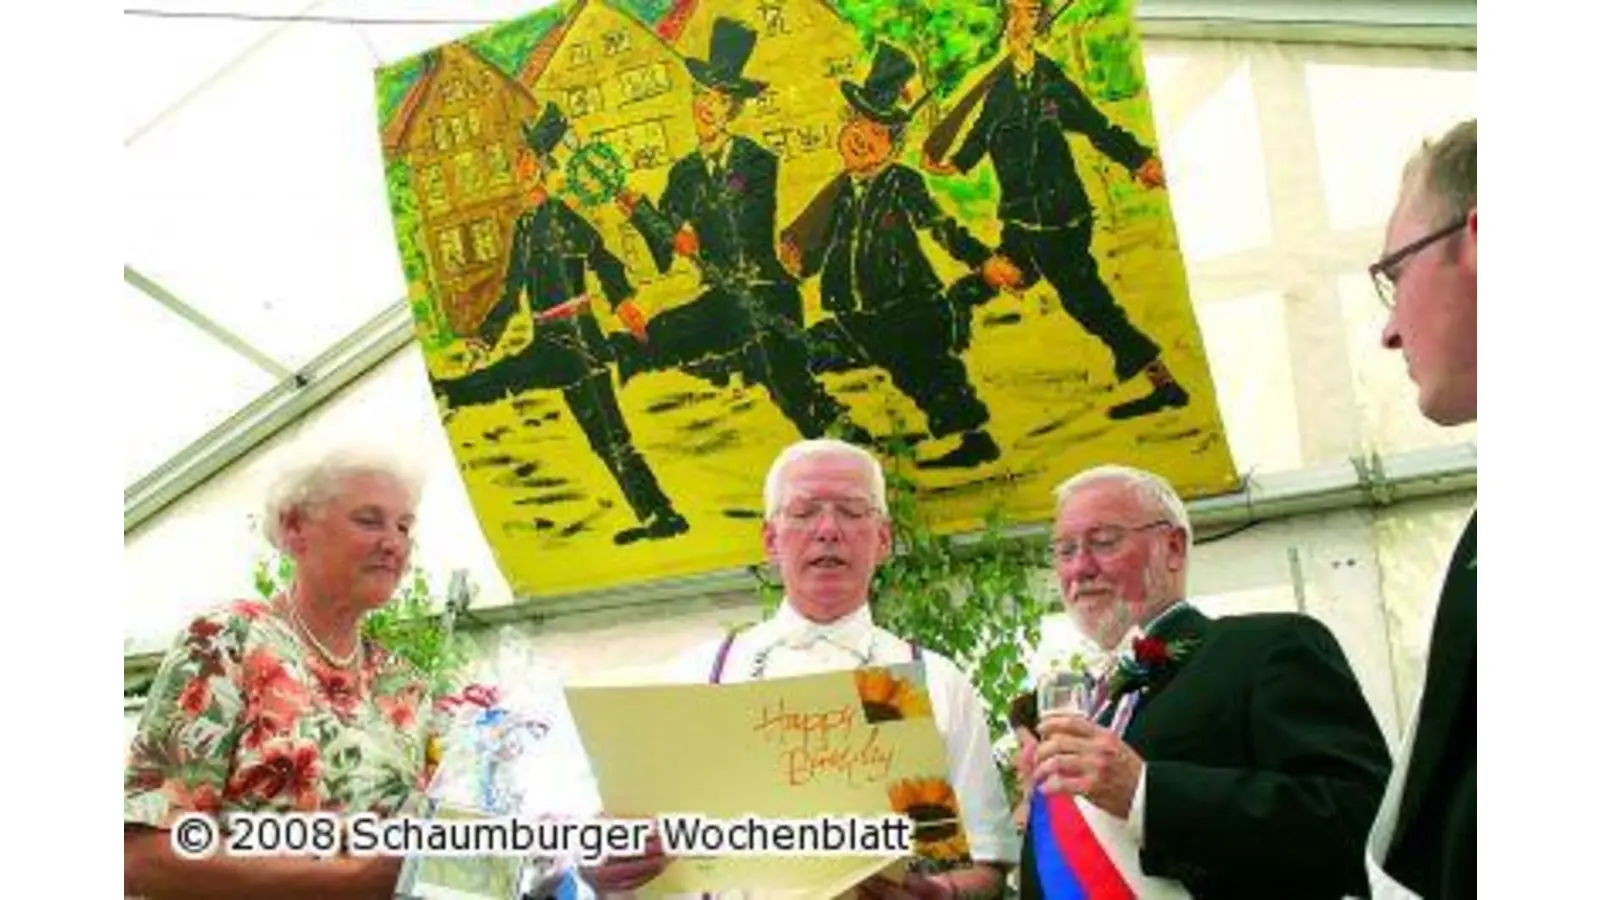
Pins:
x,y
344,662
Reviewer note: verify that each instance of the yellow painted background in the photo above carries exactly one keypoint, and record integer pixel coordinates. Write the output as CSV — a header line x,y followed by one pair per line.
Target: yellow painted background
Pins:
x,y
549,507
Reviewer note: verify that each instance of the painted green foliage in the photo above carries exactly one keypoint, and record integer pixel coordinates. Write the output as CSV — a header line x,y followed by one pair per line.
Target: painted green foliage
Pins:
x,y
1111,59
971,197
393,83
506,46
432,327
649,12
946,37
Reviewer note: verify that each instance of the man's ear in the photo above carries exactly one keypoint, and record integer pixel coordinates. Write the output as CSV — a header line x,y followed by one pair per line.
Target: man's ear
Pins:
x,y
1177,549
769,542
1470,252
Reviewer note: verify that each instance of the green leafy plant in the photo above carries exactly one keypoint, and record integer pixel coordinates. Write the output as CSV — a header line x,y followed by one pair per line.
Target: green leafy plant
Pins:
x,y
973,600
410,625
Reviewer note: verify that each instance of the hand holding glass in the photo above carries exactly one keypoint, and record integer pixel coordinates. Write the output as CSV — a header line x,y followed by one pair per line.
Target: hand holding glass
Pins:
x,y
1064,692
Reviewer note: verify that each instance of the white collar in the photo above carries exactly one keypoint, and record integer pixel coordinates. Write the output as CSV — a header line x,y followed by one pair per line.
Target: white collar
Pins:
x,y
1124,647
1167,613
852,631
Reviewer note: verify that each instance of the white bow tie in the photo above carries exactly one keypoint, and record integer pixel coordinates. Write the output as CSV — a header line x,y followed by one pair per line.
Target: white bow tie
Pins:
x,y
830,642
846,637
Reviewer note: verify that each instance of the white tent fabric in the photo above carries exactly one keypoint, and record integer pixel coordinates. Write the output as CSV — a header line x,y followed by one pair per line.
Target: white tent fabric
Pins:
x,y
255,193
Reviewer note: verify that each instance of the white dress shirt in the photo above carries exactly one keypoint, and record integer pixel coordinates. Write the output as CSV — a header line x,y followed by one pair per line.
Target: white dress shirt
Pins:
x,y
788,644
1384,887
1381,837
1125,648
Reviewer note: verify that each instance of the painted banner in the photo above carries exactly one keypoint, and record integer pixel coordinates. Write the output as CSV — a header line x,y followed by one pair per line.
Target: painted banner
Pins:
x,y
854,744
648,243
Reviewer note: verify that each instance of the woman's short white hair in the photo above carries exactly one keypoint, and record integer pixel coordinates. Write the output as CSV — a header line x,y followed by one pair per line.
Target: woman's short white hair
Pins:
x,y
310,483
806,449
1154,492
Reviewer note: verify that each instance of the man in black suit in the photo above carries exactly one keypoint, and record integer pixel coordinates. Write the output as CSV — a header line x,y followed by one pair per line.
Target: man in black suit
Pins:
x,y
889,308
550,248
718,209
1251,766
1047,223
1424,843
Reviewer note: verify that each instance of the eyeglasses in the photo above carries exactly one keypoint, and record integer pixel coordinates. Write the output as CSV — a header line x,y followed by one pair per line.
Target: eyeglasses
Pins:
x,y
1386,272
806,512
1102,541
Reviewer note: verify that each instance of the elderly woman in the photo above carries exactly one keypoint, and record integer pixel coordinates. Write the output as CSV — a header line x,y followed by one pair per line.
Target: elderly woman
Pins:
x,y
282,706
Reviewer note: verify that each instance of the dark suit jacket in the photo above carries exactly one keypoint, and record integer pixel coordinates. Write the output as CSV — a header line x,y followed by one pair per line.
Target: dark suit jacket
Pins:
x,y
733,214
1025,133
1434,851
872,257
550,248
1264,766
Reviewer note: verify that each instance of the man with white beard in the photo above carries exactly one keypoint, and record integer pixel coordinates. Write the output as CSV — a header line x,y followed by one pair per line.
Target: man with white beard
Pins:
x,y
1239,751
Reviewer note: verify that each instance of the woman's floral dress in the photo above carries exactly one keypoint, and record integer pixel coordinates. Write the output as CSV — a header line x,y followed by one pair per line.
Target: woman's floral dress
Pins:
x,y
243,717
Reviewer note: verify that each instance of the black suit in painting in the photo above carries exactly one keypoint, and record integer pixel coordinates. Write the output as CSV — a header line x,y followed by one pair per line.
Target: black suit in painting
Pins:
x,y
748,317
551,249
889,308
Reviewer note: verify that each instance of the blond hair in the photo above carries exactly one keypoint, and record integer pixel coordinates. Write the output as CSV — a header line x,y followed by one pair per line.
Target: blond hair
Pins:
x,y
1446,173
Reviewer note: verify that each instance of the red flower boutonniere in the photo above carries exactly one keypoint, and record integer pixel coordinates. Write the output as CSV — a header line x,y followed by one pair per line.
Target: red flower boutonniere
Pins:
x,y
1151,657
1149,651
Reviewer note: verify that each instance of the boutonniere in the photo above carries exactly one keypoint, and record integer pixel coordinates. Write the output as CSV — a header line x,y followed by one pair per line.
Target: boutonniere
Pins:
x,y
887,221
735,182
1151,657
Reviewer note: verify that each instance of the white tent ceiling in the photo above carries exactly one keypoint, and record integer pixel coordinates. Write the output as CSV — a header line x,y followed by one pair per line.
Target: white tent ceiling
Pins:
x,y
255,197
257,232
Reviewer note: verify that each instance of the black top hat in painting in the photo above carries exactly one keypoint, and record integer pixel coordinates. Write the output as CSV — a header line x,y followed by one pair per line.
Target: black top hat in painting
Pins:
x,y
546,134
878,98
732,42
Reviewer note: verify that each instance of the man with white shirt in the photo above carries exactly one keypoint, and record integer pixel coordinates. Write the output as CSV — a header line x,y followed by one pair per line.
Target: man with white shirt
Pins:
x,y
1425,840
827,530
1248,764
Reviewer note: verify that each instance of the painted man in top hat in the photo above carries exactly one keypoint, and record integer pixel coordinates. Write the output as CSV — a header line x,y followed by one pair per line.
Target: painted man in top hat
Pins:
x,y
1047,221
888,305
551,247
718,210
